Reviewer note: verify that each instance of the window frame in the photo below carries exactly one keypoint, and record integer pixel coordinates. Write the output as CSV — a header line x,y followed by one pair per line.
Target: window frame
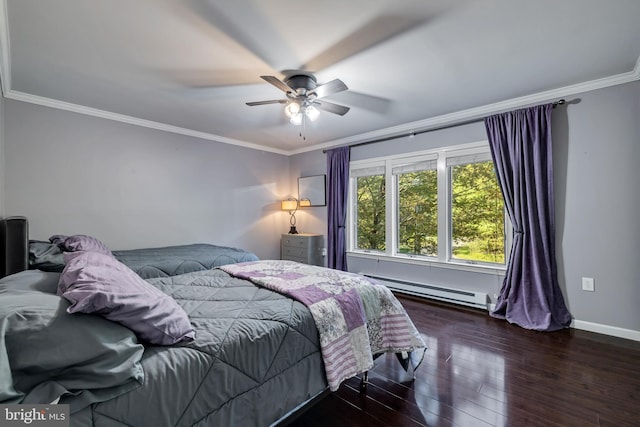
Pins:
x,y
444,252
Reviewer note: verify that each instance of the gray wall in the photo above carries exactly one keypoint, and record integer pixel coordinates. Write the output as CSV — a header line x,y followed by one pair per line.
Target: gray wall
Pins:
x,y
597,203
136,187
310,219
596,150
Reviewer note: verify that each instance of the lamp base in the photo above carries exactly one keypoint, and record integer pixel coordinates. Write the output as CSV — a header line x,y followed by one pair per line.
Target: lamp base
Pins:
x,y
293,230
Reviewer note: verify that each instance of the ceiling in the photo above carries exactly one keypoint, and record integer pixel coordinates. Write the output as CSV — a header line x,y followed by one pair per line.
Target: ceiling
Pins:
x,y
190,66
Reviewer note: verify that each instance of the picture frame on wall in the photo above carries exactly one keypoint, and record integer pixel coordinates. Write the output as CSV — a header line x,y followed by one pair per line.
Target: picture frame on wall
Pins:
x,y
313,188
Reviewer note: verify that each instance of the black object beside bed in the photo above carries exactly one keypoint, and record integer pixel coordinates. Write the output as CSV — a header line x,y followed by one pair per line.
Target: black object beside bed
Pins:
x,y
14,235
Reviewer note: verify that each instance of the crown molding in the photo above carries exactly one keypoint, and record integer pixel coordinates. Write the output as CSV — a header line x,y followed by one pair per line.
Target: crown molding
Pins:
x,y
80,109
482,111
5,68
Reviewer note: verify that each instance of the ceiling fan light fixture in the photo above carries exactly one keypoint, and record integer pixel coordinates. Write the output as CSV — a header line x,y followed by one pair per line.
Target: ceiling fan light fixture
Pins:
x,y
292,109
311,112
296,119
298,114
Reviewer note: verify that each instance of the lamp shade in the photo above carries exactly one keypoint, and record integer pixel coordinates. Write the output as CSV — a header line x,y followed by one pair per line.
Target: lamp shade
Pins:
x,y
305,202
289,205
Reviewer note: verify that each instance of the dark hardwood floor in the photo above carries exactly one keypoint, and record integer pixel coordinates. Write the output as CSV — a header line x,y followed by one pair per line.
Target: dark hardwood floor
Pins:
x,y
479,371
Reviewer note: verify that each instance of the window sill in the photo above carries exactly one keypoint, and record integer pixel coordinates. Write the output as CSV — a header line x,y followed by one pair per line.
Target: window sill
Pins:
x,y
462,266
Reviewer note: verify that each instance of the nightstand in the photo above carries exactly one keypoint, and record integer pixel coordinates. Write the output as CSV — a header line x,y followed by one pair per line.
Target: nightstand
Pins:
x,y
304,248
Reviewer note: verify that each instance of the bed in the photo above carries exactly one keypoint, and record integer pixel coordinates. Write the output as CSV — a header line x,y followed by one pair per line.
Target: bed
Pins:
x,y
252,356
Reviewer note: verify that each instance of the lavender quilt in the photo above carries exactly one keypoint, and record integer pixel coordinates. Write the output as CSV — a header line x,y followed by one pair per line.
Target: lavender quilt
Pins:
x,y
355,317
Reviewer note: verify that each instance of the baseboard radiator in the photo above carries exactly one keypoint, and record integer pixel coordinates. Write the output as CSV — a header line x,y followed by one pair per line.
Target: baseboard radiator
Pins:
x,y
455,296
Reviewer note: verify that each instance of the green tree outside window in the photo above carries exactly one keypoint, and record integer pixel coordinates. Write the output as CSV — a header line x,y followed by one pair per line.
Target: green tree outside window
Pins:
x,y
418,213
477,213
371,212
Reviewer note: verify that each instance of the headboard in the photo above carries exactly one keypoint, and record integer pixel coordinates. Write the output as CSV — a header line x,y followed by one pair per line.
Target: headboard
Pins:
x,y
14,245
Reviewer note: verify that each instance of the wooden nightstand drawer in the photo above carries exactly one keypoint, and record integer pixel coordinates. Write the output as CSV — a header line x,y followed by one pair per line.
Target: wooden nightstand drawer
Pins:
x,y
289,251
295,241
304,248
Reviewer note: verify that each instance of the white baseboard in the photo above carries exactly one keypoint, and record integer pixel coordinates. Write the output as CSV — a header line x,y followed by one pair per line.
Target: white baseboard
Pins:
x,y
614,331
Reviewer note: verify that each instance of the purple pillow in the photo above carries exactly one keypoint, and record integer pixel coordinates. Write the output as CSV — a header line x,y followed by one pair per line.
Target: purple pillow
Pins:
x,y
81,242
98,283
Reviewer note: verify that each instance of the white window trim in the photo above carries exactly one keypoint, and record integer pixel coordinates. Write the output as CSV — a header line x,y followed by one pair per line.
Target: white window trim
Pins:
x,y
443,258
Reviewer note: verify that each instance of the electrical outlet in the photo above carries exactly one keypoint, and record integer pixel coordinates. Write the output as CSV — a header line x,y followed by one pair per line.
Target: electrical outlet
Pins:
x,y
588,284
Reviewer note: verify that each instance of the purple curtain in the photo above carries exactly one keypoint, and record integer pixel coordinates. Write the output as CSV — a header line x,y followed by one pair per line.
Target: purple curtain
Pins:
x,y
521,149
337,192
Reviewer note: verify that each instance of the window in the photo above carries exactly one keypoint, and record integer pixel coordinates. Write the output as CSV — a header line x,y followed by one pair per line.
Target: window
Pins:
x,y
417,189
443,206
477,211
370,221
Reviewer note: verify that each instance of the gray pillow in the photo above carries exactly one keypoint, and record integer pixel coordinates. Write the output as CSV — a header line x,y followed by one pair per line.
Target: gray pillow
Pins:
x,y
31,280
98,283
45,256
46,353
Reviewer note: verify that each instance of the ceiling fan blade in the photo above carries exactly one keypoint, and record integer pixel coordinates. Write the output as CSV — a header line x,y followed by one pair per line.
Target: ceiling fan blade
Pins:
x,y
364,101
331,107
334,86
259,38
272,101
278,83
371,34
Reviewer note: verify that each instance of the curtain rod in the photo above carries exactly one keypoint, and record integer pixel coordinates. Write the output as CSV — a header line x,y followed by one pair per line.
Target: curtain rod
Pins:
x,y
414,133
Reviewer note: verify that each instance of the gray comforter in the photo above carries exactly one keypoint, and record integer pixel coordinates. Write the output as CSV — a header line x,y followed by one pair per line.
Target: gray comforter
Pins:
x,y
256,357
174,260
149,262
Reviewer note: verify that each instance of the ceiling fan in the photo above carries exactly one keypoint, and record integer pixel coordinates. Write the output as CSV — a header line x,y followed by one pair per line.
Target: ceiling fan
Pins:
x,y
303,96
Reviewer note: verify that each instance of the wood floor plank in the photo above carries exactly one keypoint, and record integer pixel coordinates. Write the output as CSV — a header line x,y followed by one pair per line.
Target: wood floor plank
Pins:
x,y
479,371
339,413
371,403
